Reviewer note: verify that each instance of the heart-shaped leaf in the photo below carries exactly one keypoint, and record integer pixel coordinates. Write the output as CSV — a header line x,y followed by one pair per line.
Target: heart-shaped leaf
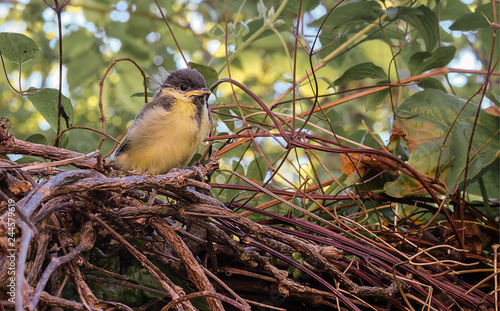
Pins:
x,y
17,47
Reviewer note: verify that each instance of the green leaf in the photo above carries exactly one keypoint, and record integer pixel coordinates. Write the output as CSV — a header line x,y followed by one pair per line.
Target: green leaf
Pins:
x,y
453,10
423,61
374,100
432,83
394,12
306,5
17,47
365,138
424,21
485,147
424,158
296,256
468,22
45,102
37,139
257,169
196,157
296,273
367,11
253,26
429,107
361,71
491,180
141,275
487,42
28,159
487,10
209,73
494,98
425,119
476,20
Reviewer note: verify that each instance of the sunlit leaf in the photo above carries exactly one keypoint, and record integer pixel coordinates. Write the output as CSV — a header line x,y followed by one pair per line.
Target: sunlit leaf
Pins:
x,y
351,12
45,101
17,47
405,185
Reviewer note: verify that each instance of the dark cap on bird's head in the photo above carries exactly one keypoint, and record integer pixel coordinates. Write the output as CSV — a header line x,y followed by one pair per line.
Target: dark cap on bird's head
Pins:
x,y
186,80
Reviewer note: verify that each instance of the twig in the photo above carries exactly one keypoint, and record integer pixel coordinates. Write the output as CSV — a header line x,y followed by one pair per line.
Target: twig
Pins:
x,y
173,290
87,241
195,271
11,145
203,294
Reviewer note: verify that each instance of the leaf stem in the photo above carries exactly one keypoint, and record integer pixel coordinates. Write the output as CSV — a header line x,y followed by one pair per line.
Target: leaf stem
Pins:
x,y
322,62
267,25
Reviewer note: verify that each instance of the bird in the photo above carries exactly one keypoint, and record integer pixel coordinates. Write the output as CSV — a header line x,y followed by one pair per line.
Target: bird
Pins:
x,y
168,130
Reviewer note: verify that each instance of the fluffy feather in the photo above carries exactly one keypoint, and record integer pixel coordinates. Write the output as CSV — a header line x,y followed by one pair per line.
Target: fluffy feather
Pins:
x,y
168,130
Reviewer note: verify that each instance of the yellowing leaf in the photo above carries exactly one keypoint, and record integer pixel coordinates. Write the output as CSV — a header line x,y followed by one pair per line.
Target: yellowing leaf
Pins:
x,y
493,110
424,120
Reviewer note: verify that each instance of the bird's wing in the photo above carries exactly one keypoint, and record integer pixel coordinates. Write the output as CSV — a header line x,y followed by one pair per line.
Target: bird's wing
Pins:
x,y
164,101
124,145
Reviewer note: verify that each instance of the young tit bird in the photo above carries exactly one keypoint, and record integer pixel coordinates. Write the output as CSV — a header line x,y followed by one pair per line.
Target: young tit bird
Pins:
x,y
169,129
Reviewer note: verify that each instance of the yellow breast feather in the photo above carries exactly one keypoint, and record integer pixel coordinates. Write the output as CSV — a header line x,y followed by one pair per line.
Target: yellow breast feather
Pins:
x,y
169,139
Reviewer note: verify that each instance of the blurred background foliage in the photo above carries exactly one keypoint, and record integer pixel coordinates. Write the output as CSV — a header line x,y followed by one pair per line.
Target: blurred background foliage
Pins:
x,y
354,45
406,40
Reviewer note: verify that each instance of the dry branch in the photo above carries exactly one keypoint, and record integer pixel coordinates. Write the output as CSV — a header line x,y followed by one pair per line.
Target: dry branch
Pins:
x,y
11,145
68,223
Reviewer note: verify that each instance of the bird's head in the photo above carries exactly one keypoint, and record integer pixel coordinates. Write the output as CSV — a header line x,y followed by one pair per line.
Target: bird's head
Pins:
x,y
185,82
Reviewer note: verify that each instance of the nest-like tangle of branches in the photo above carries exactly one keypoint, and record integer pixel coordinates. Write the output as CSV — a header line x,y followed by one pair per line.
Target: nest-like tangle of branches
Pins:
x,y
78,235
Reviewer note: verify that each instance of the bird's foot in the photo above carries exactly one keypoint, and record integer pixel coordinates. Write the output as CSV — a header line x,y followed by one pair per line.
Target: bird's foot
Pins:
x,y
198,174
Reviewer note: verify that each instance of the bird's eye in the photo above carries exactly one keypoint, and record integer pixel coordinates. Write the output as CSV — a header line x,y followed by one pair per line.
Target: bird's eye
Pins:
x,y
183,87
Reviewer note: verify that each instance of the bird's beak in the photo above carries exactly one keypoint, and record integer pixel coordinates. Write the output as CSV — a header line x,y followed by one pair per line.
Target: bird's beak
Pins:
x,y
201,92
